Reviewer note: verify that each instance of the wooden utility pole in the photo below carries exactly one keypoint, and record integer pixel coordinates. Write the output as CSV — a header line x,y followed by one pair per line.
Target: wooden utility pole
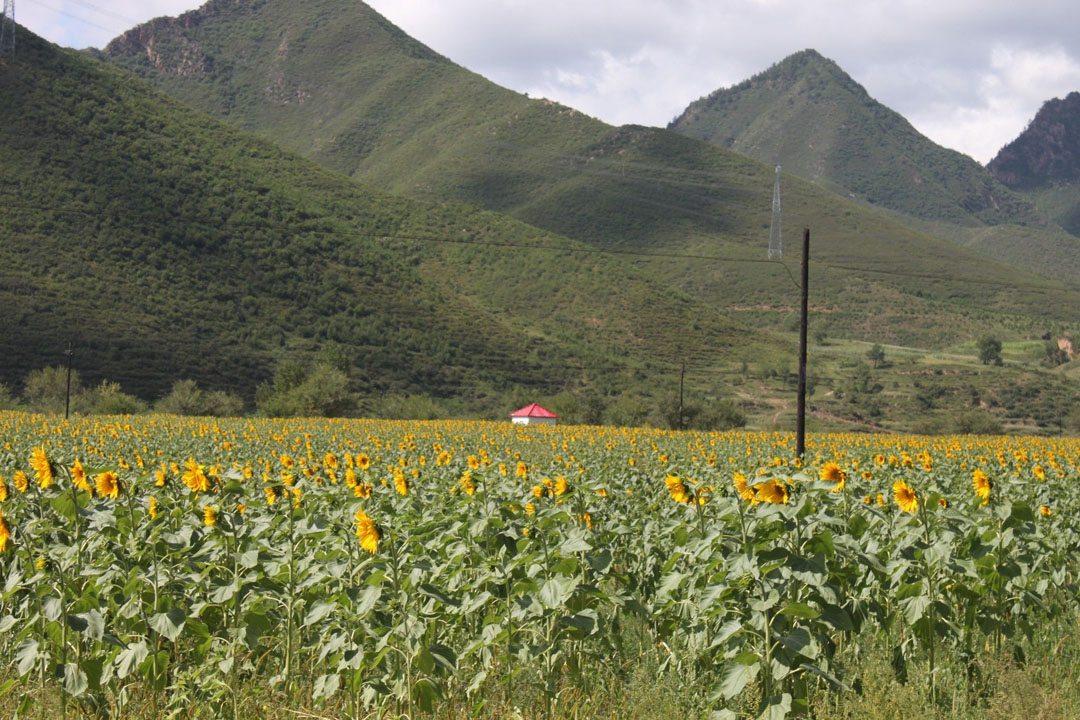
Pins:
x,y
800,427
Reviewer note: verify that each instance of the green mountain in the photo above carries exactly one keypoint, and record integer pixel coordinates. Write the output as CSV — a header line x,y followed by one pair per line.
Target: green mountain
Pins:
x,y
336,82
1044,161
808,115
166,244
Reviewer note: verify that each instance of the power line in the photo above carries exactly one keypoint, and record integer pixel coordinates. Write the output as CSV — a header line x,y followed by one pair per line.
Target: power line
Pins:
x,y
83,20
356,232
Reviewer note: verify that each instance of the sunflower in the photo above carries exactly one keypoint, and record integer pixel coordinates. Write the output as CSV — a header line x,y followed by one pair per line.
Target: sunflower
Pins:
x,y
159,478
43,470
78,477
1039,472
195,477
152,508
905,497
209,516
3,490
5,534
466,483
943,503
473,462
401,484
363,462
1045,510
21,481
271,495
107,484
521,470
831,472
981,483
773,491
746,493
330,460
367,532
560,485
677,489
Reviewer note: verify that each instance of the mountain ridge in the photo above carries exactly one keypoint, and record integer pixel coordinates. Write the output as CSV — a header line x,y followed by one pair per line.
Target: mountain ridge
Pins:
x,y
436,131
168,244
807,114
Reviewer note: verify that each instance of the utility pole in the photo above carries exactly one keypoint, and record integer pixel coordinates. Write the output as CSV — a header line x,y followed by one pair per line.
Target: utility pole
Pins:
x,y
67,395
800,427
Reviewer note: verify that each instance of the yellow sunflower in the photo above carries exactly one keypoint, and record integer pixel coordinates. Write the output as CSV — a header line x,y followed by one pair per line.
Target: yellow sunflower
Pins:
x,y
43,470
774,491
107,484
905,497
678,491
366,531
982,484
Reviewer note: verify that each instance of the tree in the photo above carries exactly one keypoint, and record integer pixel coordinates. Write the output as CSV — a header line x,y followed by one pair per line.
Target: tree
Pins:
x,y
876,355
45,390
990,350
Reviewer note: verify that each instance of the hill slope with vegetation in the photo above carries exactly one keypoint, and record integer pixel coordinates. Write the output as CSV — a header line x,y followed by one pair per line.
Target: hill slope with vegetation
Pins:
x,y
337,82
165,244
1044,161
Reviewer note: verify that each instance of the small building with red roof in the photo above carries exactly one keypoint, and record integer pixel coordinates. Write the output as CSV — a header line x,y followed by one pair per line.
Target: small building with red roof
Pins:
x,y
533,414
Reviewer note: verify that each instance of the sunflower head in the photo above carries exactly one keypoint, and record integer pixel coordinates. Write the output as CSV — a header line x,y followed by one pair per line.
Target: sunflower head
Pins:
x,y
905,497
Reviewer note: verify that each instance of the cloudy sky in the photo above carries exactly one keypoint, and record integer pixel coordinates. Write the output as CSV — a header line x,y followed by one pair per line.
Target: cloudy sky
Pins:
x,y
970,74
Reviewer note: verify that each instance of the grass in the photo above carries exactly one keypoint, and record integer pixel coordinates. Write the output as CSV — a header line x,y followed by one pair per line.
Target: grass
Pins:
x,y
1030,680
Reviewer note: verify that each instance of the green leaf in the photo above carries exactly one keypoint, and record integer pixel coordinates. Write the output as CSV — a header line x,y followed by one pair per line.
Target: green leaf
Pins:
x,y
837,617
53,607
425,693
437,593
443,657
800,642
914,607
829,678
255,626
777,707
90,623
736,678
556,591
27,656
75,682
583,623
726,631
801,610
130,658
317,613
325,686
169,624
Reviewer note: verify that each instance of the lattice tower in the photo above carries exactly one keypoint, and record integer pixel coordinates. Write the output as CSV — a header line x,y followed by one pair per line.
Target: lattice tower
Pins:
x,y
776,245
7,29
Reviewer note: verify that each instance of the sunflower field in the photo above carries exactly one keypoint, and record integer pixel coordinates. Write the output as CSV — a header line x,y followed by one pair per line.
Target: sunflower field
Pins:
x,y
157,566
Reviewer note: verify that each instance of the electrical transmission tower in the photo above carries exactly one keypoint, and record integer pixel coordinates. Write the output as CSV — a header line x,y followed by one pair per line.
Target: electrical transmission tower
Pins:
x,y
7,29
776,245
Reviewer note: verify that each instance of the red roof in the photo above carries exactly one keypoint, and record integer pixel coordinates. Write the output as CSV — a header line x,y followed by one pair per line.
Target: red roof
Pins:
x,y
534,410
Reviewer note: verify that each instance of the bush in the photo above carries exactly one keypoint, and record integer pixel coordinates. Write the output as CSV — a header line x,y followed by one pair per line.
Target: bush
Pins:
x,y
187,398
977,422
45,391
108,399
